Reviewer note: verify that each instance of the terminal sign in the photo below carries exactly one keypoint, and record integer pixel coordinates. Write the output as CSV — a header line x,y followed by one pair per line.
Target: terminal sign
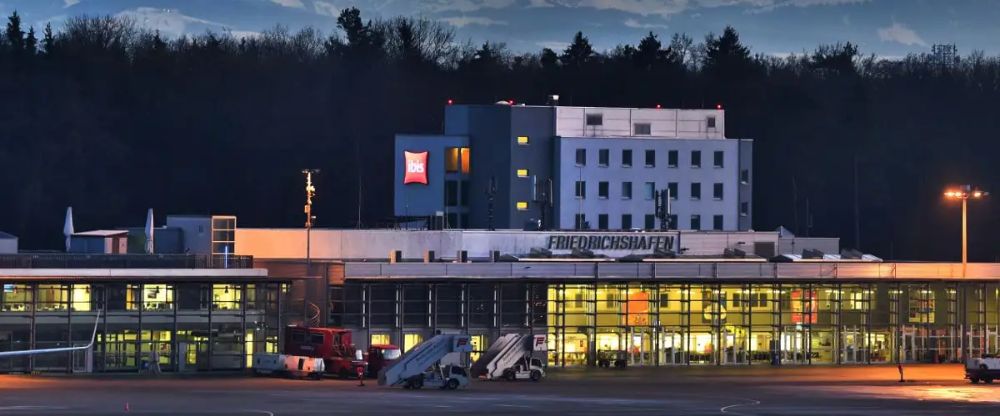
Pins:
x,y
415,167
625,242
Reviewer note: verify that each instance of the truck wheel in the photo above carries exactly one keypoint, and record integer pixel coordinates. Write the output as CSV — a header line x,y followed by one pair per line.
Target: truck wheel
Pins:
x,y
509,375
452,384
536,375
988,380
974,380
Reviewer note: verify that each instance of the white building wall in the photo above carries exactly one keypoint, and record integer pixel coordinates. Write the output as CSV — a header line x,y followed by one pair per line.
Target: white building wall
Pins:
x,y
620,122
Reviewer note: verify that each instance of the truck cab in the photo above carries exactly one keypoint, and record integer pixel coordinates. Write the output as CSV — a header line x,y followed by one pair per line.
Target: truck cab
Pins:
x,y
380,356
985,369
333,345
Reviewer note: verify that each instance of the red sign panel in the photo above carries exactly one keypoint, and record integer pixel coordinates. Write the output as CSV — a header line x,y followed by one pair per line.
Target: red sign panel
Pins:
x,y
415,166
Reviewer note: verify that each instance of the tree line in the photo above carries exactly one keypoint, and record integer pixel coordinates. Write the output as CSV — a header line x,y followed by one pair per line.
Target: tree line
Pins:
x,y
112,119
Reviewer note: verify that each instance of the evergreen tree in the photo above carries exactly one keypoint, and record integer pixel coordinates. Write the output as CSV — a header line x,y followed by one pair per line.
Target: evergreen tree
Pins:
x,y
725,57
48,39
31,42
579,53
14,34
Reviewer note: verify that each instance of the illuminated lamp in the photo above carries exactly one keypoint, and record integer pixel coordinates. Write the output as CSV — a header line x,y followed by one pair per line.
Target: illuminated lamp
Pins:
x,y
718,106
659,106
450,101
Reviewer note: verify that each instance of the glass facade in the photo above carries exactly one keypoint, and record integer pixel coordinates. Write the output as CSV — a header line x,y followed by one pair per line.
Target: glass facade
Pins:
x,y
190,326
687,323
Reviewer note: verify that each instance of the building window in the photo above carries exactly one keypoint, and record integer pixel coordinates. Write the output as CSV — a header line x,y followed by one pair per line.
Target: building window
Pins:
x,y
649,190
603,156
581,157
627,158
522,205
450,193
745,176
717,223
696,158
626,190
456,159
602,221
580,221
157,297
602,190
672,221
717,191
522,173
672,186
710,122
226,297
522,140
718,158
672,159
650,158
53,297
744,208
595,119
696,222
695,190
642,129
464,198
581,189
650,222
626,221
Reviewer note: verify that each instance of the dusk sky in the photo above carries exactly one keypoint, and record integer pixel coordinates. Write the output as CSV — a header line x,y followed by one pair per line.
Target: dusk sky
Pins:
x,y
888,28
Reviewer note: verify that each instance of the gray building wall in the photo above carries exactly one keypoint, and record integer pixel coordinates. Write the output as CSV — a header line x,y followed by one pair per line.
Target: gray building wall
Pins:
x,y
537,123
684,174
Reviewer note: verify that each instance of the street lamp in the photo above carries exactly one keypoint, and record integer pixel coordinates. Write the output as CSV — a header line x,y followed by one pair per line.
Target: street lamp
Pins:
x,y
310,193
964,193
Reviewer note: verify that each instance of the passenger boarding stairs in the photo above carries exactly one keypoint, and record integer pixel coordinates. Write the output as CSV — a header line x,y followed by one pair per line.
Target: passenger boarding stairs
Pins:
x,y
416,361
505,353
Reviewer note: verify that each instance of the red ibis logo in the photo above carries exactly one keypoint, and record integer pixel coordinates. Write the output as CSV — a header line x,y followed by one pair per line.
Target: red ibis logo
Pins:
x,y
416,167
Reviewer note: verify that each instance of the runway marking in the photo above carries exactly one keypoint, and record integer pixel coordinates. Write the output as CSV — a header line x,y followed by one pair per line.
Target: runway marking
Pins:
x,y
265,412
513,405
752,403
26,407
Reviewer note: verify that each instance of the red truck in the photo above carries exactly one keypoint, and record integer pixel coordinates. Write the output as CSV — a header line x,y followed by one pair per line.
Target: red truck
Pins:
x,y
333,345
379,356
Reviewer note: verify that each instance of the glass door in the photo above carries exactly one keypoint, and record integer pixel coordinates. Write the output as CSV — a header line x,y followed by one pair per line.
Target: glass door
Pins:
x,y
794,341
672,347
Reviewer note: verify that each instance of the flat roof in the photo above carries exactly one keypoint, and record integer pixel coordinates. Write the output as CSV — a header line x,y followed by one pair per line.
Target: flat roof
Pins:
x,y
257,274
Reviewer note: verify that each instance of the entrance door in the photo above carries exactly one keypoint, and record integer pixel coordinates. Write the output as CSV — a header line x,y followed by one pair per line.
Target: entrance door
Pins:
x,y
852,345
909,344
733,345
640,348
794,343
671,347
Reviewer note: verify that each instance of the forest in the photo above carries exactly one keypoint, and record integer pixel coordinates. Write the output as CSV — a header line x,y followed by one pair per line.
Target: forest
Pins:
x,y
111,119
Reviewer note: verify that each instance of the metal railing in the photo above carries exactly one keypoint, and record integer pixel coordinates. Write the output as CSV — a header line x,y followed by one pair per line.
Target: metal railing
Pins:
x,y
123,261
667,271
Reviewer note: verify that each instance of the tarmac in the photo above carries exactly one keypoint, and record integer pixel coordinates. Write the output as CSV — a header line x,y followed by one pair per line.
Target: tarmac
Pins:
x,y
711,390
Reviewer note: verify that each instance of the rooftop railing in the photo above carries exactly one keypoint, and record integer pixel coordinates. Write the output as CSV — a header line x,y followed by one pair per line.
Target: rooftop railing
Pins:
x,y
123,261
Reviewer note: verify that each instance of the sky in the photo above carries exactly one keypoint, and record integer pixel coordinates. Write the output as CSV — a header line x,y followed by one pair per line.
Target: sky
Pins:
x,y
888,28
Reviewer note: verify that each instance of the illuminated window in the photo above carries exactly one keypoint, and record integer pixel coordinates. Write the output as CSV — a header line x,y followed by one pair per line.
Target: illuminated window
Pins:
x,y
16,298
226,297
53,297
81,298
379,339
157,297
411,340
522,205
456,159
522,140
522,173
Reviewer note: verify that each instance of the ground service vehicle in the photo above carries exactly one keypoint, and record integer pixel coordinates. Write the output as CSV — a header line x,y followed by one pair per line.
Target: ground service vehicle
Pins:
x,y
288,365
380,356
333,345
422,367
606,358
510,358
984,369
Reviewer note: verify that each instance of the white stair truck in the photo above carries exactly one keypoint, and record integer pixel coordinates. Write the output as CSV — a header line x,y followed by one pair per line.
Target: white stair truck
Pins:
x,y
984,369
421,366
510,358
288,365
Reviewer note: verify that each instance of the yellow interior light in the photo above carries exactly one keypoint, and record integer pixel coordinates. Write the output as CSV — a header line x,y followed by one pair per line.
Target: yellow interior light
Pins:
x,y
522,139
522,205
522,173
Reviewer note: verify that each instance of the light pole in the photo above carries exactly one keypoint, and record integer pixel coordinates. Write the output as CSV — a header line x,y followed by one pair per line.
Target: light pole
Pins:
x,y
963,193
310,193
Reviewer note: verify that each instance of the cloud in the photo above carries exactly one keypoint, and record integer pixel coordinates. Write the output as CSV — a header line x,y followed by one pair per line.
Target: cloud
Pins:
x,y
290,3
554,45
462,21
635,24
539,3
168,21
70,3
326,9
899,33
464,6
667,8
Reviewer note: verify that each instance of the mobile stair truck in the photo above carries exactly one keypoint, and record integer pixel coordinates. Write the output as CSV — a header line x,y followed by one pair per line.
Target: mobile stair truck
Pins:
x,y
421,366
986,369
510,358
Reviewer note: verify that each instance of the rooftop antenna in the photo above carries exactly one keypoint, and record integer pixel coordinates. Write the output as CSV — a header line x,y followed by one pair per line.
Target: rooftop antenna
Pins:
x,y
310,218
68,227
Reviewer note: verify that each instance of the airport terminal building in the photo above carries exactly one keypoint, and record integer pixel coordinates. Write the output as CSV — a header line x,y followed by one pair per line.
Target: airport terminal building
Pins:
x,y
728,298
